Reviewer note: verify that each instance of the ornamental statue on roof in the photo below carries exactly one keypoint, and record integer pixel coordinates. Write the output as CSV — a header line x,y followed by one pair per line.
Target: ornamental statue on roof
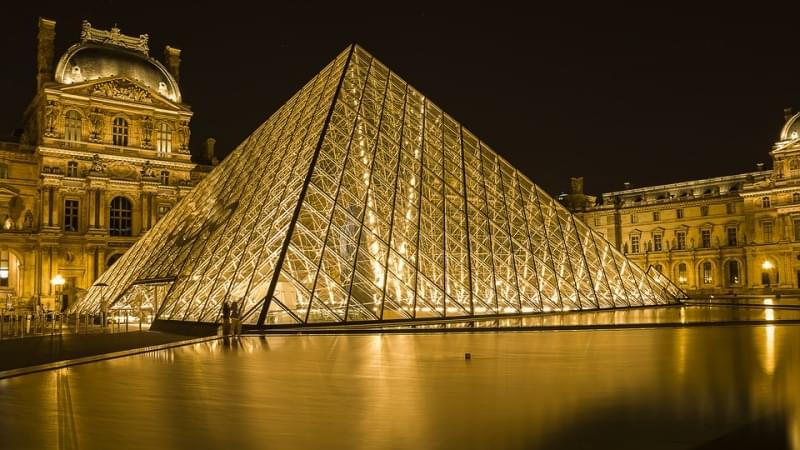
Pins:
x,y
114,37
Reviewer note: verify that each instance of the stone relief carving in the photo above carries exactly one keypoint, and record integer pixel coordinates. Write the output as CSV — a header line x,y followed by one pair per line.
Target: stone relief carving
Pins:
x,y
147,170
184,134
147,131
97,165
114,36
123,91
96,119
27,225
122,170
51,111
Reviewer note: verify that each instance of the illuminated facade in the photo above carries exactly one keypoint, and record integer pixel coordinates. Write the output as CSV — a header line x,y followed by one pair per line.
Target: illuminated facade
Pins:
x,y
359,200
104,153
737,234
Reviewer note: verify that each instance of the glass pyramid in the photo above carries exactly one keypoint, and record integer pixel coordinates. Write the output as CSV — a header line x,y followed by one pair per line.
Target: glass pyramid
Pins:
x,y
360,200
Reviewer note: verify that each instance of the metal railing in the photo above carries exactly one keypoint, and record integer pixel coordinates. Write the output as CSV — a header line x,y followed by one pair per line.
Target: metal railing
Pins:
x,y
22,323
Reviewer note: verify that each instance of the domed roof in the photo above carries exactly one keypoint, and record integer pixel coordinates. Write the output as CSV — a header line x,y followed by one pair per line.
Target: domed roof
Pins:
x,y
791,130
90,61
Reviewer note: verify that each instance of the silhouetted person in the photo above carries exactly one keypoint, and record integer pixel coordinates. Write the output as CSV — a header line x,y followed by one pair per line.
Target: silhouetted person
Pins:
x,y
236,317
226,317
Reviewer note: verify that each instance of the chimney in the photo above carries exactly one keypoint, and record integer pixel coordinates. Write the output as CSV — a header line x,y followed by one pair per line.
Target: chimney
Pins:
x,y
760,166
576,185
787,114
44,51
627,184
212,158
172,56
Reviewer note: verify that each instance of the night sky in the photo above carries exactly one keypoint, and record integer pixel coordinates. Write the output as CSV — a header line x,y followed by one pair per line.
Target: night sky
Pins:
x,y
648,96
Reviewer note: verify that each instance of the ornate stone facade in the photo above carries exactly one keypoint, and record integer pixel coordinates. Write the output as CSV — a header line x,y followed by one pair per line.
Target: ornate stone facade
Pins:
x,y
737,234
103,155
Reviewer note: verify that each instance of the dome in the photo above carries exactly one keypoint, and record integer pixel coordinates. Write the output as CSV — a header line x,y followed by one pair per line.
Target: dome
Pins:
x,y
791,130
90,61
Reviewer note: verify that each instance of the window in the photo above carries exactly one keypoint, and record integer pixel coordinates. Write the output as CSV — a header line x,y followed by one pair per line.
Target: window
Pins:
x,y
71,215
4,268
705,237
730,208
679,213
733,272
634,244
121,217
119,132
657,242
72,169
732,236
598,221
680,238
162,211
656,216
682,273
767,229
164,138
765,202
3,171
72,126
706,272
797,229
634,219
659,268
704,210
165,177
796,197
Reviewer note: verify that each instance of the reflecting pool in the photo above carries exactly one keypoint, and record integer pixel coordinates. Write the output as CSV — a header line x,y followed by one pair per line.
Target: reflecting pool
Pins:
x,y
702,387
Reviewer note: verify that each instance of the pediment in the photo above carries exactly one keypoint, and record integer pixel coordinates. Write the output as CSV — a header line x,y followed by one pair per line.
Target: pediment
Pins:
x,y
7,191
124,89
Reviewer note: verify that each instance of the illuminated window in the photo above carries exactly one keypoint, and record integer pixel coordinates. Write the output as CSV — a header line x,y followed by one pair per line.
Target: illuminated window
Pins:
x,y
72,169
634,244
733,272
71,215
634,219
119,132
72,126
121,217
679,213
732,236
4,268
704,210
767,230
164,138
165,177
656,216
657,242
682,273
680,240
765,202
162,211
705,236
706,272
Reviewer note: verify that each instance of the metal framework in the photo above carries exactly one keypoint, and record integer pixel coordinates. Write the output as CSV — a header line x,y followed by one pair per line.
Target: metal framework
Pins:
x,y
360,200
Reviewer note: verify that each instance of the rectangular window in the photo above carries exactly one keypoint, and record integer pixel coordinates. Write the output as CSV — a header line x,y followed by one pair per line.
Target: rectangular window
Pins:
x,y
633,218
657,242
71,215
767,228
797,229
634,244
3,171
732,237
730,208
598,221
679,213
656,216
707,273
704,210
680,240
705,236
4,269
72,169
162,211
765,203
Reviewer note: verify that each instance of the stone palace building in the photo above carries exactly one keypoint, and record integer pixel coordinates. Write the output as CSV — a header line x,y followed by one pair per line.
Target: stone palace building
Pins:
x,y
737,234
103,154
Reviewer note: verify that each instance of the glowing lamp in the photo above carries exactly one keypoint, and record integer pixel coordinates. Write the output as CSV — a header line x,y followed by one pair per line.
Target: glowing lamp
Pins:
x,y
767,265
58,280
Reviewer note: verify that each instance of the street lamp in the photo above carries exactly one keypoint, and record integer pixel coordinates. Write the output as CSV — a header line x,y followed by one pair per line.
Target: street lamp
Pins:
x,y
58,281
767,265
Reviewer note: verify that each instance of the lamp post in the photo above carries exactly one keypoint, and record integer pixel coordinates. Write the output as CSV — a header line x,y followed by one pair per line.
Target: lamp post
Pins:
x,y
58,283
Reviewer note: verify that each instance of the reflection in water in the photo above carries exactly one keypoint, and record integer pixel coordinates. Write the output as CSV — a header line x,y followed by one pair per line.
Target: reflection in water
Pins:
x,y
644,388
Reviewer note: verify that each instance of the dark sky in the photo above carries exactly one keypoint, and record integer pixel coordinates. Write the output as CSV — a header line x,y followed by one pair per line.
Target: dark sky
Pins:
x,y
628,94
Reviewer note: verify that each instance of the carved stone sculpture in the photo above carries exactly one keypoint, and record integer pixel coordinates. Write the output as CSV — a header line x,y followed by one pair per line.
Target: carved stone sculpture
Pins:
x,y
97,165
96,119
147,131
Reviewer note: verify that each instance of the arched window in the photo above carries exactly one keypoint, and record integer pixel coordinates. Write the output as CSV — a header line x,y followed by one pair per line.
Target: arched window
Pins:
x,y
119,132
682,273
706,273
733,273
765,202
121,217
165,177
164,138
72,126
796,197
